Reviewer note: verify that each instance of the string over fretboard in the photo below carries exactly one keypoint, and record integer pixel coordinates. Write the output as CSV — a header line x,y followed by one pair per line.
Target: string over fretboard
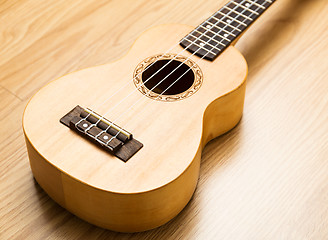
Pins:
x,y
217,32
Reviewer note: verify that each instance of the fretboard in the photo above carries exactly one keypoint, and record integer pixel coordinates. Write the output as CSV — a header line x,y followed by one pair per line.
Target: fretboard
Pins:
x,y
217,32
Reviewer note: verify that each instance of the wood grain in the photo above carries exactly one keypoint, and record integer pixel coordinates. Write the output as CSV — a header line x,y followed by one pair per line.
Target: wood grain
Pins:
x,y
266,179
157,182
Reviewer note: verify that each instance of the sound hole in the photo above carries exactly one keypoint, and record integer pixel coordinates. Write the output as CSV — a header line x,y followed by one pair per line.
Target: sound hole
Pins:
x,y
167,78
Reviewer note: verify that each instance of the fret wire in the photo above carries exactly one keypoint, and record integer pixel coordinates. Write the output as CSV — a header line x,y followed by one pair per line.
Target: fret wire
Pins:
x,y
243,13
236,20
200,46
208,43
219,20
213,39
256,4
227,24
244,7
216,35
240,14
264,3
216,27
221,29
233,19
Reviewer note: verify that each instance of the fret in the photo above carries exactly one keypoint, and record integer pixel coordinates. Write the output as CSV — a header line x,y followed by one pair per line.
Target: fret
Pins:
x,y
254,7
256,4
223,27
211,38
245,8
240,14
232,19
236,13
264,3
199,46
243,15
219,20
205,42
218,40
215,35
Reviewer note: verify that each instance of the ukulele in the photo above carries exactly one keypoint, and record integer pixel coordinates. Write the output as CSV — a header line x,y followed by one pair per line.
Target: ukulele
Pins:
x,y
119,145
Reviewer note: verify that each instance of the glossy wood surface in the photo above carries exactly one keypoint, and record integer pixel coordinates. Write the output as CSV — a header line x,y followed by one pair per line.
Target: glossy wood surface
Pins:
x,y
265,179
163,127
158,181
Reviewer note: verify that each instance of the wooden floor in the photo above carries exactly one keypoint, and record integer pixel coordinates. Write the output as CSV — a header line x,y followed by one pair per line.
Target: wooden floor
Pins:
x,y
266,179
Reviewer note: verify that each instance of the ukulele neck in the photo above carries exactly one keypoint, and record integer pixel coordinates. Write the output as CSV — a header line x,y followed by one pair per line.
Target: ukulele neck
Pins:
x,y
216,33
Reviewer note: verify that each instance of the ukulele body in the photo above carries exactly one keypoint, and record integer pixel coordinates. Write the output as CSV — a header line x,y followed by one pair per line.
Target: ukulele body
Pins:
x,y
158,181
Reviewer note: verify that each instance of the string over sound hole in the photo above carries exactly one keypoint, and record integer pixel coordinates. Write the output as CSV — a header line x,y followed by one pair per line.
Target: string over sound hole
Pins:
x,y
168,77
